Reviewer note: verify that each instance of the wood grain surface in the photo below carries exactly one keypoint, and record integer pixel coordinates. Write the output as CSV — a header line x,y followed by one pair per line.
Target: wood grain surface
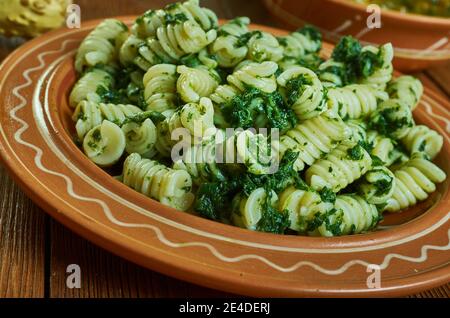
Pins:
x,y
35,250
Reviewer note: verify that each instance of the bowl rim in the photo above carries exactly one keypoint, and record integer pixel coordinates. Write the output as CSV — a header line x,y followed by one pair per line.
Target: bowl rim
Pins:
x,y
394,14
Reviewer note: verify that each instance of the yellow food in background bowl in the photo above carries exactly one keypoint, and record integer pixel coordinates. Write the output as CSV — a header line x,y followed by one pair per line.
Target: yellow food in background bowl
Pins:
x,y
30,18
438,8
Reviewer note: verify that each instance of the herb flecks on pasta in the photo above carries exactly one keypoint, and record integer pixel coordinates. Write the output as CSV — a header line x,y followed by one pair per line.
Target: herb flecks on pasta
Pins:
x,y
243,127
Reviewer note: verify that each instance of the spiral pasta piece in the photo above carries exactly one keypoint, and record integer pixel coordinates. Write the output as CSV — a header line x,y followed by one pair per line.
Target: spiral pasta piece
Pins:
x,y
195,83
87,86
311,61
407,89
304,92
153,179
129,52
355,101
88,114
164,130
383,74
341,167
118,113
263,46
250,149
224,94
147,25
351,215
258,75
382,147
201,161
196,118
423,139
378,185
303,207
414,181
393,118
247,212
104,144
160,86
208,61
100,46
385,149
301,42
227,47
357,131
172,42
314,137
206,18
332,73
140,137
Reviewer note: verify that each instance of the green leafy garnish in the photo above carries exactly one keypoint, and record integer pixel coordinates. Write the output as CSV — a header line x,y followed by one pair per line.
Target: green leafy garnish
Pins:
x,y
295,88
356,153
327,195
256,109
213,199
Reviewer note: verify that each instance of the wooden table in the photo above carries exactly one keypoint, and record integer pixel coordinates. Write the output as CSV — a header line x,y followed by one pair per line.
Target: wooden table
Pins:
x,y
35,250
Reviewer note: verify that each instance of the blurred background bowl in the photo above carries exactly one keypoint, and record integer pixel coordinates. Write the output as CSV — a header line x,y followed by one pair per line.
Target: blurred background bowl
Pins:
x,y
420,41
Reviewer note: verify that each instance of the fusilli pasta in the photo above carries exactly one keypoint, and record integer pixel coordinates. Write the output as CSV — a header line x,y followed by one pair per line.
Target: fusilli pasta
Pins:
x,y
100,46
201,161
86,88
228,47
304,207
160,87
87,115
263,46
355,101
407,89
248,211
153,179
104,144
414,181
303,91
140,137
313,138
331,73
378,185
423,139
393,118
195,83
351,215
174,41
148,24
301,42
383,74
341,167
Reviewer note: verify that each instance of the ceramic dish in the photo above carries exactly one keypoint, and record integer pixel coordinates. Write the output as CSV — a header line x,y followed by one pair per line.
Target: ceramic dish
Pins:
x,y
411,248
420,41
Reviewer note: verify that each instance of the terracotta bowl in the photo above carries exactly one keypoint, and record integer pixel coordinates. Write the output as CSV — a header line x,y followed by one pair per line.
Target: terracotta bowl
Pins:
x,y
411,249
420,41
